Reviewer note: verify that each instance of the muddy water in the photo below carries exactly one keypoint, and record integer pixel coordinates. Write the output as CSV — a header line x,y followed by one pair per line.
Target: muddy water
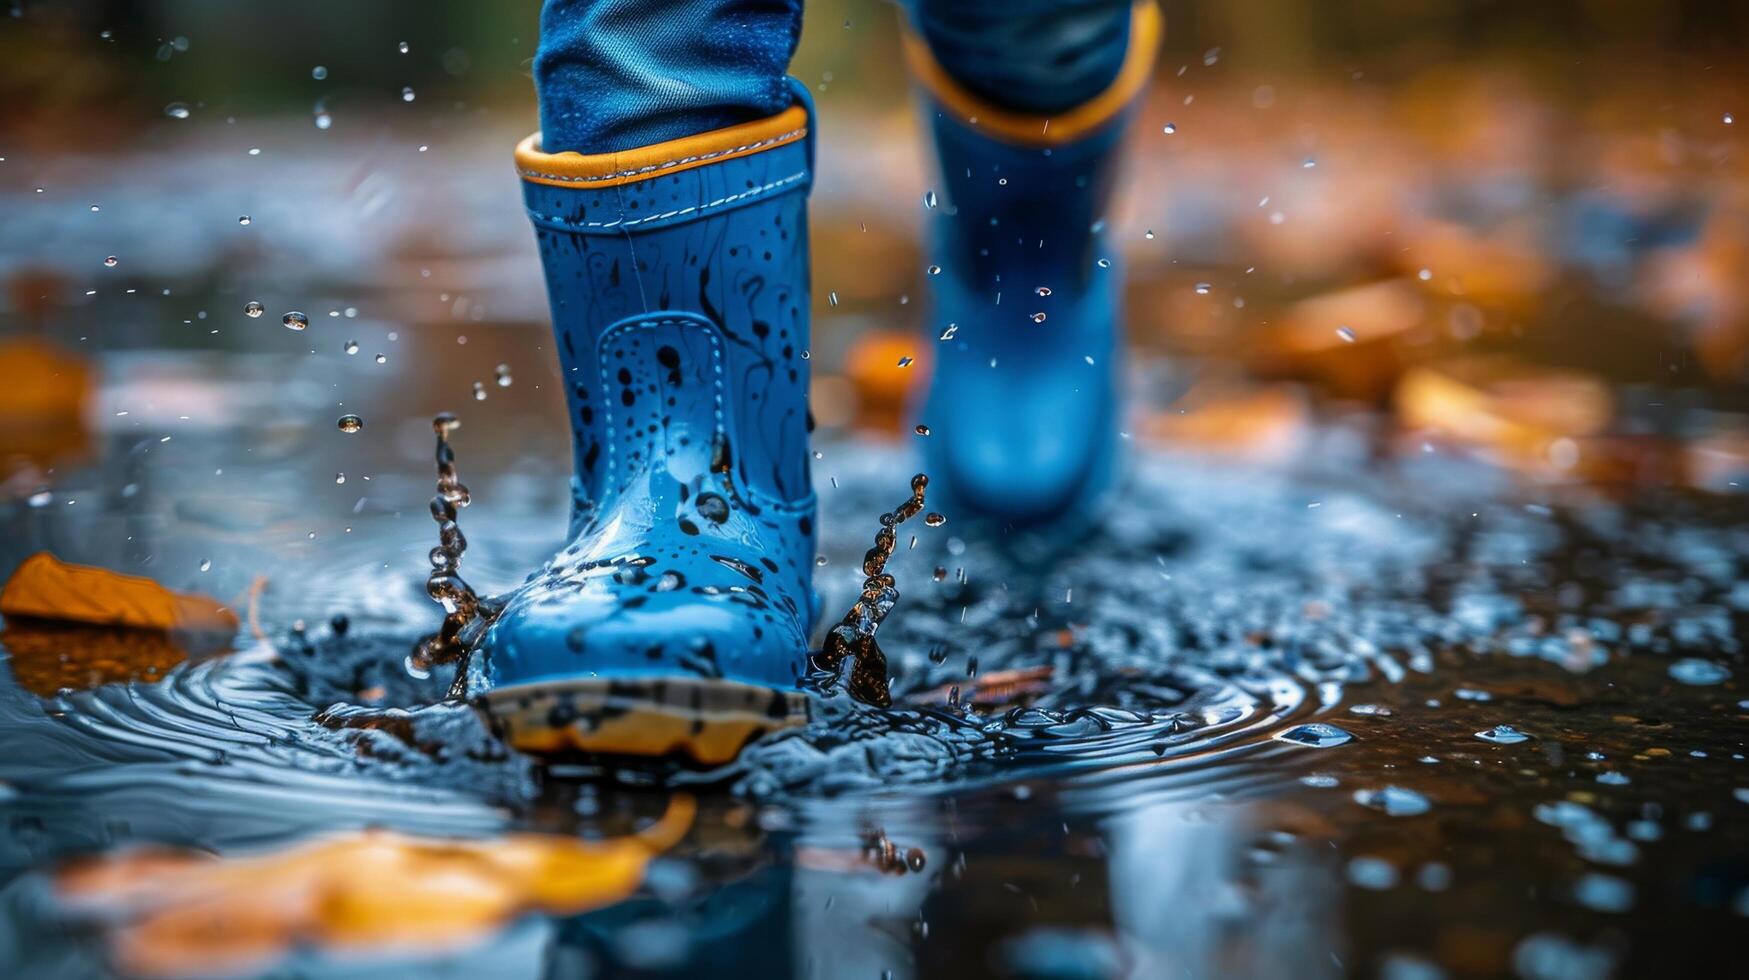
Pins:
x,y
1365,718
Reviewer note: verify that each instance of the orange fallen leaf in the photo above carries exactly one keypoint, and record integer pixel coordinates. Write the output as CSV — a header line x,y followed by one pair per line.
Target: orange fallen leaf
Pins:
x,y
1719,460
44,587
43,403
996,689
182,913
881,384
1256,421
1536,419
1354,342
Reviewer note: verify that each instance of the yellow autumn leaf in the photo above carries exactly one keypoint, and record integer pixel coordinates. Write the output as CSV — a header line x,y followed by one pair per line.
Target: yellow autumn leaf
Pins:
x,y
46,588
183,913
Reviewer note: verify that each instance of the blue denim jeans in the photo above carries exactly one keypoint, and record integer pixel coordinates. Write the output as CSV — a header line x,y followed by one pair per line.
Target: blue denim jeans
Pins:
x,y
616,74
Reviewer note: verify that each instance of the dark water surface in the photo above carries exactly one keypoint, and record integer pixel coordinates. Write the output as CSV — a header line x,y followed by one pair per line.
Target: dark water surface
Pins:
x,y
1358,717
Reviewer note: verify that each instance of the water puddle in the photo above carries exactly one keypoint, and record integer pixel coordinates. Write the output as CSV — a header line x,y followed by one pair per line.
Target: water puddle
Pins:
x,y
1293,659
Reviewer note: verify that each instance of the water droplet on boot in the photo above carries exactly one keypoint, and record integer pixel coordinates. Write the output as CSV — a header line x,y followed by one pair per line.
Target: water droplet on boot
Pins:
x,y
295,320
350,424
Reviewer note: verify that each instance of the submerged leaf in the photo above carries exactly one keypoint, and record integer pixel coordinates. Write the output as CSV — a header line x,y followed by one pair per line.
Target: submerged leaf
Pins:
x,y
183,913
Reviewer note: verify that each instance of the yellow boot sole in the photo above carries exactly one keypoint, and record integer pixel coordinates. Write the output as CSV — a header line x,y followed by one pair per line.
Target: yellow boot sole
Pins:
x,y
707,722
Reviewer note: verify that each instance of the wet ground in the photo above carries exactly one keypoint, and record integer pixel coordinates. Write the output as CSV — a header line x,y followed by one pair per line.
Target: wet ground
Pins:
x,y
1356,715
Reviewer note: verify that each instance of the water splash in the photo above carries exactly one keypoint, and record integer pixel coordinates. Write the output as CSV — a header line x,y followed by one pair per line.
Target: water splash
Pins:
x,y
461,605
854,636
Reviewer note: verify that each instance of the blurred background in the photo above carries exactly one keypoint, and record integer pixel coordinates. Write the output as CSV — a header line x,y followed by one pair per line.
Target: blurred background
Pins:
x,y
1511,239
1521,230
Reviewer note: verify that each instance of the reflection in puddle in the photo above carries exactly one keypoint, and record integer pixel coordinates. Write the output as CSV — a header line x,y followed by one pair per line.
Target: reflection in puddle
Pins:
x,y
376,892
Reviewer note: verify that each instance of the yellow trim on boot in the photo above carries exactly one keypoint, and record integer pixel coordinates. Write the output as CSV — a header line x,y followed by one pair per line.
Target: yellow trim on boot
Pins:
x,y
1054,129
571,169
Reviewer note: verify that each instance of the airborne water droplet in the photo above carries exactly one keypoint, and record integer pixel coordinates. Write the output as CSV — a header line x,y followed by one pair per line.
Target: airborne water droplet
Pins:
x,y
929,199
206,564
253,309
350,424
502,373
176,110
1038,318
1170,128
295,320
243,220
921,429
110,261
1043,291
934,519
479,391
1346,333
935,270
350,347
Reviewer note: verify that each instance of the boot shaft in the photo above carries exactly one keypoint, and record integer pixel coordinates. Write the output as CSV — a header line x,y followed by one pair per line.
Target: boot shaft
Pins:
x,y
678,281
1026,194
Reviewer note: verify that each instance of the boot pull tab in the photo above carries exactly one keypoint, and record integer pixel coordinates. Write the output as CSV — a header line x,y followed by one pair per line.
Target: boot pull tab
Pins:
x,y
662,395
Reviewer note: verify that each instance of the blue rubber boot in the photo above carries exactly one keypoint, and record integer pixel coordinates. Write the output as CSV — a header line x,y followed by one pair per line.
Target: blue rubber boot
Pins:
x,y
675,623
1024,405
